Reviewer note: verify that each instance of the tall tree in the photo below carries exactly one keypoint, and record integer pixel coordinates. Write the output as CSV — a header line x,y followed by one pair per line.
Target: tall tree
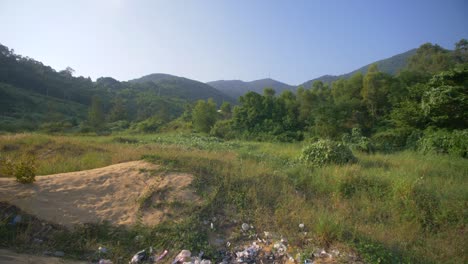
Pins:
x,y
95,114
204,115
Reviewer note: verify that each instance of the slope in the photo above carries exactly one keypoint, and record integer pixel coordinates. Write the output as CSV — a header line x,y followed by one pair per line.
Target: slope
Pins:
x,y
390,65
173,86
236,88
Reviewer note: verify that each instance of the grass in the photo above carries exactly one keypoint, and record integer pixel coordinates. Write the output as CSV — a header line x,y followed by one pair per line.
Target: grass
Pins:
x,y
392,208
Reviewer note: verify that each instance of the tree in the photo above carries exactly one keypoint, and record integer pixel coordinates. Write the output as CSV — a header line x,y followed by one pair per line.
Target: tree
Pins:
x,y
95,114
430,59
461,51
446,102
374,92
118,111
204,115
226,110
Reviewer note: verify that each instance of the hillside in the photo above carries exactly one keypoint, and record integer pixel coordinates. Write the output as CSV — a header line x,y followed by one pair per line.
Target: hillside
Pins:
x,y
236,88
390,65
174,86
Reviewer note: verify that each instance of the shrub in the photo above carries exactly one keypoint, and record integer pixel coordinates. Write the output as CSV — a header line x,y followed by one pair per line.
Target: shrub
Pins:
x,y
24,169
444,142
356,141
150,125
391,140
325,152
223,129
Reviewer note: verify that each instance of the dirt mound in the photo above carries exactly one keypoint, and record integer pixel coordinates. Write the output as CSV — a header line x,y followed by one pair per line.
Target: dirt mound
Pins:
x,y
121,194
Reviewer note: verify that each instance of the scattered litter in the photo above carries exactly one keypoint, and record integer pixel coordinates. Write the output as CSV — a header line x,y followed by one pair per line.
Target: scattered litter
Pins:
x,y
245,226
38,240
301,226
212,226
248,254
105,261
160,257
280,248
102,250
17,219
182,256
308,261
59,254
139,238
138,257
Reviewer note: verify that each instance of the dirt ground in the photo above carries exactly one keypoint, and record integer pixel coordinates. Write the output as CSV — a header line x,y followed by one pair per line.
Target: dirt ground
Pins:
x,y
114,193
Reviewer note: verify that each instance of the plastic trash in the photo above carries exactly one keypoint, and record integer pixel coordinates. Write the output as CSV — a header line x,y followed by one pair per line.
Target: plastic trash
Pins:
x,y
17,219
59,254
160,257
245,226
182,256
105,261
301,226
138,257
102,250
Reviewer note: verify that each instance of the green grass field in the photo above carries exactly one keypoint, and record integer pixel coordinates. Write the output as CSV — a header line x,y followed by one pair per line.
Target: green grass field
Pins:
x,y
392,208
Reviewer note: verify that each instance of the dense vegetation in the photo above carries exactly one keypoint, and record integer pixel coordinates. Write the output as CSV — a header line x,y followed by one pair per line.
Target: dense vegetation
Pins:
x,y
427,97
36,97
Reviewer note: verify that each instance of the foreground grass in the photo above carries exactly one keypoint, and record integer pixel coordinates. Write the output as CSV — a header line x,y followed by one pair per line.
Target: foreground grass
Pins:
x,y
392,208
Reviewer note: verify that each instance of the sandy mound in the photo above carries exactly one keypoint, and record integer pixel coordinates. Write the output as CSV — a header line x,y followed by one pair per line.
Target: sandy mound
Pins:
x,y
119,194
10,257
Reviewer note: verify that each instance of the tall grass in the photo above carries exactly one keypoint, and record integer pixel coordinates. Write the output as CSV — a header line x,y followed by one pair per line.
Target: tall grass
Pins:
x,y
403,207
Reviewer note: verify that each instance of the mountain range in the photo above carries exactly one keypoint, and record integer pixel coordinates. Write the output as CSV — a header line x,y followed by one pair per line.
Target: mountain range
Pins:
x,y
236,88
32,93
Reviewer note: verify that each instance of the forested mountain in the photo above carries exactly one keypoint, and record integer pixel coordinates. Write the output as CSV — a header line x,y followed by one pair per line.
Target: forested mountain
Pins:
x,y
33,95
180,87
236,88
390,65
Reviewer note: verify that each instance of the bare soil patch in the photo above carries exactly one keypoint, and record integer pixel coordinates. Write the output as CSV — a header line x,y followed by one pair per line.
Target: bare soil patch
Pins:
x,y
121,194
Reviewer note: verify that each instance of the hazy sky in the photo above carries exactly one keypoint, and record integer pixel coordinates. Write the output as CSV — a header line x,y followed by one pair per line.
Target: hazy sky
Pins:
x,y
291,41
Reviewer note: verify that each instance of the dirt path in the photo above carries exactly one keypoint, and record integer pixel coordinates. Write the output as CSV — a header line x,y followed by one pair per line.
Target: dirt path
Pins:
x,y
10,257
112,194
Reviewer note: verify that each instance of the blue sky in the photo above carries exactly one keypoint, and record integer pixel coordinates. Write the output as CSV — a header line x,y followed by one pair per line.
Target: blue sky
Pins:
x,y
291,41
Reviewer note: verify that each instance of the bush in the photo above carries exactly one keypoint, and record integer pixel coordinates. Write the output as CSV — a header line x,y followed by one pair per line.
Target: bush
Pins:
x,y
356,141
24,169
223,129
325,152
392,140
444,142
150,125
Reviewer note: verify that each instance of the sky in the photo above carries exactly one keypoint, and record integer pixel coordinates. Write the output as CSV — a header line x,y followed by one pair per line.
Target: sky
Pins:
x,y
288,40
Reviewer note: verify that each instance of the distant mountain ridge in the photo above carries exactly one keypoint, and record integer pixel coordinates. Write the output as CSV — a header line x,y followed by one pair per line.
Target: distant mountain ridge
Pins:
x,y
390,65
236,88
175,86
